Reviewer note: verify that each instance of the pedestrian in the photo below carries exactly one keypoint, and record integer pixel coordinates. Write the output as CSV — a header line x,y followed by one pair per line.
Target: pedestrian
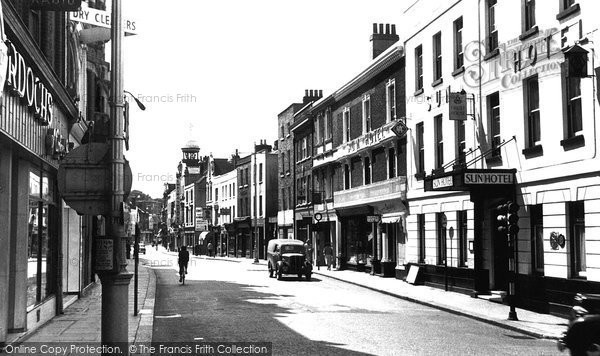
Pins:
x,y
183,258
328,252
210,249
309,251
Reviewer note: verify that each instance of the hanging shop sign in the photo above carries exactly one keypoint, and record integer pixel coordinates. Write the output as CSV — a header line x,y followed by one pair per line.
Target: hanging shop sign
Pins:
x,y
22,81
55,5
101,18
457,104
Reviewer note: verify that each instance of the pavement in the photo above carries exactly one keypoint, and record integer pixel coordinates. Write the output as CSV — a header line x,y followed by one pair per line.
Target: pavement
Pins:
x,y
81,320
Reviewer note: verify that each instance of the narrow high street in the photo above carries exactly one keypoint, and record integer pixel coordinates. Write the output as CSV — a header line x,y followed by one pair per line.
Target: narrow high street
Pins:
x,y
236,301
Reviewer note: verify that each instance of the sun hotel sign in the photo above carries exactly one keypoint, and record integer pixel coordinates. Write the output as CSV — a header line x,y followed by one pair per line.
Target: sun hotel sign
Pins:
x,y
468,179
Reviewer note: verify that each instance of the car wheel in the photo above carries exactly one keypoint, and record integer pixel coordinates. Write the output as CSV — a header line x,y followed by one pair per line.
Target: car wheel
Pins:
x,y
308,276
299,275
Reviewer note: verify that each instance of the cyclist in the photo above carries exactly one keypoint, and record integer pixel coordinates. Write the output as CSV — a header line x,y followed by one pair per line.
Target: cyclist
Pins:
x,y
184,257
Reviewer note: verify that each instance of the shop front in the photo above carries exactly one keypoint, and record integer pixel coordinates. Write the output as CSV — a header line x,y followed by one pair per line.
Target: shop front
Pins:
x,y
243,237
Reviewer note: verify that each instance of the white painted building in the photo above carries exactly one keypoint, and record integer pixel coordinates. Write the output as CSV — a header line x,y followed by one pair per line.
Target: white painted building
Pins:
x,y
530,136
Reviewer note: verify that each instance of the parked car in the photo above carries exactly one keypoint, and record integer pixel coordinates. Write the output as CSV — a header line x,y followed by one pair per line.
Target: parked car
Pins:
x,y
583,335
142,248
288,256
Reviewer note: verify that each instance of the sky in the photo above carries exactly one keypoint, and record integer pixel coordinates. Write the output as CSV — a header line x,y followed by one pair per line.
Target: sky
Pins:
x,y
219,72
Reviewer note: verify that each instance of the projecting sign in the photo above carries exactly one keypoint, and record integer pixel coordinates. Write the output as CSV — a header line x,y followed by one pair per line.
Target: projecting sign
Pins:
x,y
101,19
55,5
373,218
442,182
458,106
104,255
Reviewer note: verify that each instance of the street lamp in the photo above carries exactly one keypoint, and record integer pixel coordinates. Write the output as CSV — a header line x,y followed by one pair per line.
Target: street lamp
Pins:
x,y
137,101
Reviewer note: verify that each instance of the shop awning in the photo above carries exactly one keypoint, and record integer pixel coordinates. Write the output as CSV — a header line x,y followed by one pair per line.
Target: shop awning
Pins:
x,y
204,234
392,218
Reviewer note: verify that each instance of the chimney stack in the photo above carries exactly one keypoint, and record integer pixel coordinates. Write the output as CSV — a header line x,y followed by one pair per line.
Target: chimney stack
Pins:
x,y
382,40
312,95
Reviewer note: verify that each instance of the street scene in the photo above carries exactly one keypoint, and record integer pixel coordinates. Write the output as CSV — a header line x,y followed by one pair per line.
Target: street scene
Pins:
x,y
325,177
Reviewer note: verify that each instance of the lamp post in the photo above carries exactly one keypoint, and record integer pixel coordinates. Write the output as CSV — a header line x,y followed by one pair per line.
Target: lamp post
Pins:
x,y
115,283
255,210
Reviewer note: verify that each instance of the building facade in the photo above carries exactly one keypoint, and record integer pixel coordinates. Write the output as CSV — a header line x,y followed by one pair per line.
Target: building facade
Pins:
x,y
526,134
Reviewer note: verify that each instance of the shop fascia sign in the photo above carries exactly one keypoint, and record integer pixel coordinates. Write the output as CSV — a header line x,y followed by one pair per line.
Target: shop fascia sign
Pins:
x,y
464,180
22,81
367,140
101,18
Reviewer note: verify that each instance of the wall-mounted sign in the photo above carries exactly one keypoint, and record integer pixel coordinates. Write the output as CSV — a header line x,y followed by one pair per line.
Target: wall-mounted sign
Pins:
x,y
373,218
104,255
367,140
55,5
22,81
101,19
201,225
442,182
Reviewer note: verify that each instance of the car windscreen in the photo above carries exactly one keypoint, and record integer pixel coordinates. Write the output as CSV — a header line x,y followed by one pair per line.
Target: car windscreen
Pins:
x,y
292,249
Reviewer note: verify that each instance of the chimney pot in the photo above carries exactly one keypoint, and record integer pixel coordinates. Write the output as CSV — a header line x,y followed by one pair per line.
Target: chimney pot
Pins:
x,y
320,93
381,28
374,28
393,29
311,93
305,92
387,29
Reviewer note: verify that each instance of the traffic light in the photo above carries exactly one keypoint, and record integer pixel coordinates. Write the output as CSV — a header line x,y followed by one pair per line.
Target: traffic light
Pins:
x,y
502,218
513,218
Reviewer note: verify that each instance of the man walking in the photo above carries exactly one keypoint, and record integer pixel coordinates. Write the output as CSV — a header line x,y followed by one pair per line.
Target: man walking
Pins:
x,y
210,249
328,252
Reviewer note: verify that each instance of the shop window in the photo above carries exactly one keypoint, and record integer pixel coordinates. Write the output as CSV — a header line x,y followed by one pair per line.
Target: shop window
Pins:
x,y
458,45
537,239
462,227
441,238
421,236
419,68
577,239
437,56
439,141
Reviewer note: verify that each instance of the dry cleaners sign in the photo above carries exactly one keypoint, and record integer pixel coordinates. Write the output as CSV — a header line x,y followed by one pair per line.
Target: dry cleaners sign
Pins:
x,y
23,82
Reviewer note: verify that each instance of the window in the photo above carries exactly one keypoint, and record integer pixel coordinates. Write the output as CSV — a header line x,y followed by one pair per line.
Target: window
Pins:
x,y
367,169
421,236
289,156
304,147
282,132
346,176
346,124
492,31
439,141
366,114
577,239
283,200
282,162
260,205
564,37
441,238
35,25
420,149
391,163
537,239
533,112
437,56
419,68
260,172
567,4
234,189
317,128
574,119
391,100
529,14
328,124
462,227
460,142
493,101
217,194
290,197
458,45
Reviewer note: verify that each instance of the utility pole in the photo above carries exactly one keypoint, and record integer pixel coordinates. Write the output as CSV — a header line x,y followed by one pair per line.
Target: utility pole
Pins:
x,y
254,177
115,283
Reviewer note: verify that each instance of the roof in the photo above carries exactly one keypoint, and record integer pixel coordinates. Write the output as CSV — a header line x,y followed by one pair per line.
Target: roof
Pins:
x,y
222,166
